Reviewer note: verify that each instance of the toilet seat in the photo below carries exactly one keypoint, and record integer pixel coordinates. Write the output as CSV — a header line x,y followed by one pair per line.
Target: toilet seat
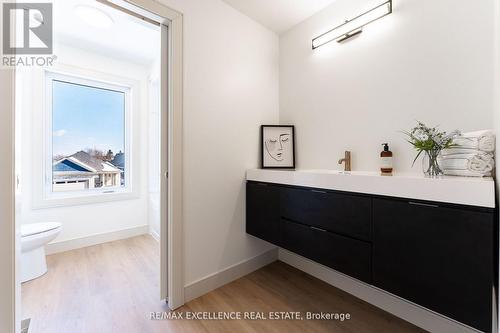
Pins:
x,y
34,237
38,228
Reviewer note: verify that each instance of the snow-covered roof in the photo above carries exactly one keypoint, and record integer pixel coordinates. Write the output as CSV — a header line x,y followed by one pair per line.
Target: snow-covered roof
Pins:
x,y
92,164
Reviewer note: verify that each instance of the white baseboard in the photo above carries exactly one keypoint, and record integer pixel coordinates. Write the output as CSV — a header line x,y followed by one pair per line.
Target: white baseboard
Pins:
x,y
78,243
415,314
229,274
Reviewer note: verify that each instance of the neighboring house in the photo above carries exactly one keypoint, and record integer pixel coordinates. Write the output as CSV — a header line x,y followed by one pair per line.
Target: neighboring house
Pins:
x,y
81,171
119,162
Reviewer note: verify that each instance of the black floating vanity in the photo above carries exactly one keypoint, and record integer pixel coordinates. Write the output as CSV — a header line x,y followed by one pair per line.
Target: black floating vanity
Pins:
x,y
439,255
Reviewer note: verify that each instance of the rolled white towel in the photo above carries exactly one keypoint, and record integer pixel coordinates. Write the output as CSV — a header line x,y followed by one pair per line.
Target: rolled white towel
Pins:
x,y
480,162
464,151
477,134
480,140
466,173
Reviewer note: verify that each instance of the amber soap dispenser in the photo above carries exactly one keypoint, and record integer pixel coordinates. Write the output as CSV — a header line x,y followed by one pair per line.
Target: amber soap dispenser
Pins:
x,y
386,160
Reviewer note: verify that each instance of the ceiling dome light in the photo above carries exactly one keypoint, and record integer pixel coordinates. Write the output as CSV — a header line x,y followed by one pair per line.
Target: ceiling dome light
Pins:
x,y
94,17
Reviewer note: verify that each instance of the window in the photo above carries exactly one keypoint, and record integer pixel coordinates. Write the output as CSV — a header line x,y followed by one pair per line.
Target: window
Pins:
x,y
87,136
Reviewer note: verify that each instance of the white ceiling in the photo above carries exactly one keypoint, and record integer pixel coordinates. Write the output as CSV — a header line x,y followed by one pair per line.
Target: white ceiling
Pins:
x,y
279,15
129,38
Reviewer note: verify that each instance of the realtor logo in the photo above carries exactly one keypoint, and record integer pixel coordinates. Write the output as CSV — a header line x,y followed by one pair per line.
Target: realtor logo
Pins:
x,y
27,28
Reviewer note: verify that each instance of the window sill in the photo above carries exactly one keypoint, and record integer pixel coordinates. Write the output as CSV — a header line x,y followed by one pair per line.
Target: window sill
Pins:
x,y
80,199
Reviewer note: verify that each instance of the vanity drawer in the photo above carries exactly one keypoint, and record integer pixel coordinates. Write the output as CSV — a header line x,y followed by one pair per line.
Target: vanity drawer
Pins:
x,y
262,211
296,238
344,254
340,213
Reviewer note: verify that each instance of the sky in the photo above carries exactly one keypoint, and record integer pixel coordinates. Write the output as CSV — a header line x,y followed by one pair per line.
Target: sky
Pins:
x,y
86,117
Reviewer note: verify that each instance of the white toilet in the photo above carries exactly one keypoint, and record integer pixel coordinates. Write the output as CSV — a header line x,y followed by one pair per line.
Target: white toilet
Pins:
x,y
34,237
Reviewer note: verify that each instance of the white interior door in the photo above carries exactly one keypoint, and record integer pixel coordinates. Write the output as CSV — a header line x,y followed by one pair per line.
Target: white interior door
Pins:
x,y
164,163
144,13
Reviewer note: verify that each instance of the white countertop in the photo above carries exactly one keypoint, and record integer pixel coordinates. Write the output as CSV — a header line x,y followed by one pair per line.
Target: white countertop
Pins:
x,y
457,190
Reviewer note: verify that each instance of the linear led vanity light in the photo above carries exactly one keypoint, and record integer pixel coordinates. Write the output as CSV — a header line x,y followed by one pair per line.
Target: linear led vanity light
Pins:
x,y
354,26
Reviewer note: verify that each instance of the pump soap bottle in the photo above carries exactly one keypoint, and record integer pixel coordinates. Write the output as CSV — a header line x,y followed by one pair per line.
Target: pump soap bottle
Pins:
x,y
386,160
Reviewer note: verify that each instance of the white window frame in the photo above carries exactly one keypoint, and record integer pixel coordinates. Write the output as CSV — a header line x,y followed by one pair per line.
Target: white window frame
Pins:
x,y
44,196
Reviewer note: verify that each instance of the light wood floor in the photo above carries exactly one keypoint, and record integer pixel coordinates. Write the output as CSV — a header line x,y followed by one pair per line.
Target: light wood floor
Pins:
x,y
113,287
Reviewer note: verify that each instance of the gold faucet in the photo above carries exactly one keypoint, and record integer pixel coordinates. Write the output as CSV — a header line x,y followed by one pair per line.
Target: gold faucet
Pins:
x,y
346,160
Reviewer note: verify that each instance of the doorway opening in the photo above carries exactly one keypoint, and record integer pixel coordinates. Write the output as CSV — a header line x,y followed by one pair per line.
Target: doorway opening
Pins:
x,y
91,162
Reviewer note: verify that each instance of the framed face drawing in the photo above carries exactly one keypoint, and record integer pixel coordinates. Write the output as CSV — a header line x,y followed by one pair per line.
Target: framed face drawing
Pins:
x,y
278,147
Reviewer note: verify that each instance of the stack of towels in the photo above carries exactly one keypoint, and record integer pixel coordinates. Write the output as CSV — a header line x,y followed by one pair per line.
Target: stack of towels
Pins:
x,y
474,155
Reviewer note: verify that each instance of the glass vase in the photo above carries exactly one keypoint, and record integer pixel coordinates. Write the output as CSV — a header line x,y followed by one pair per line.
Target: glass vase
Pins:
x,y
430,164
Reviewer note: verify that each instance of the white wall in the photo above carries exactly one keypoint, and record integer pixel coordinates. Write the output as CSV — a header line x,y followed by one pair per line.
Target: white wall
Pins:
x,y
230,89
89,219
429,60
